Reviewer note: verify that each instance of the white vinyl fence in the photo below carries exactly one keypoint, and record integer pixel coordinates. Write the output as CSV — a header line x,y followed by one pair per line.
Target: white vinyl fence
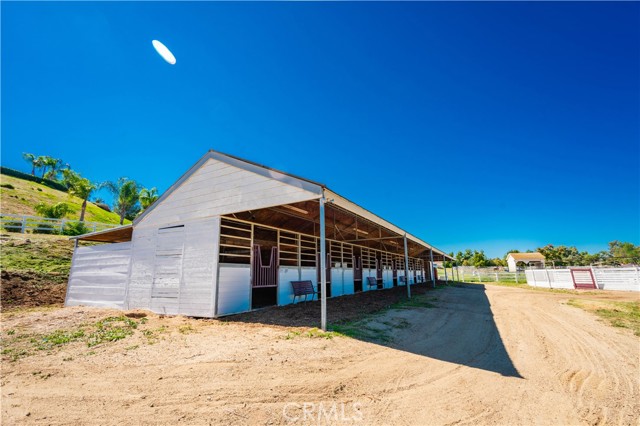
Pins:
x,y
625,279
36,224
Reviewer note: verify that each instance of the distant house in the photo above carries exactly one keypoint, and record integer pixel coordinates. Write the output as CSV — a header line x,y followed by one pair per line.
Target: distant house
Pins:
x,y
532,260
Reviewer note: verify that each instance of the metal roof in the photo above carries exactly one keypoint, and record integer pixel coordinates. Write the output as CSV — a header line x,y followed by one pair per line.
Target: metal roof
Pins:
x,y
330,195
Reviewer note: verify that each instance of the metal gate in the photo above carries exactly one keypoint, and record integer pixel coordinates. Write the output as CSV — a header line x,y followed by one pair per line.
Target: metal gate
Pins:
x,y
264,275
583,278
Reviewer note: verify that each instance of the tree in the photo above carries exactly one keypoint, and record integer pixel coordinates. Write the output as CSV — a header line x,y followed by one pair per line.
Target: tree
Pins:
x,y
33,160
622,253
479,259
80,187
148,197
127,194
55,211
54,165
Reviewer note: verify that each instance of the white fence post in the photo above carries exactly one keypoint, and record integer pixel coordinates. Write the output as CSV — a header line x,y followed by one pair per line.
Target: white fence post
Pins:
x,y
516,275
24,225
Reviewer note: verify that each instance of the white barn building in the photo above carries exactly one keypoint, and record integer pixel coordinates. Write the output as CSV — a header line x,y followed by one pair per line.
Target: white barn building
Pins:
x,y
230,235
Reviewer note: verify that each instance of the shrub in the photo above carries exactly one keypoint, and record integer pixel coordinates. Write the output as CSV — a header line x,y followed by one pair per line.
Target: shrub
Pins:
x,y
103,206
46,228
7,185
75,228
53,211
12,226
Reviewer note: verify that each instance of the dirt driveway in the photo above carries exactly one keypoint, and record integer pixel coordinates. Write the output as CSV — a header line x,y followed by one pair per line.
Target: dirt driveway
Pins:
x,y
463,356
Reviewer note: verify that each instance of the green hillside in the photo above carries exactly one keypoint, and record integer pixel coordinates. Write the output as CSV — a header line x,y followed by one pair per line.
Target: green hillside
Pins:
x,y
18,196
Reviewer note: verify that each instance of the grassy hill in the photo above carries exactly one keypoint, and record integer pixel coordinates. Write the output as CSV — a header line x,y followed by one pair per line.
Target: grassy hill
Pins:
x,y
22,196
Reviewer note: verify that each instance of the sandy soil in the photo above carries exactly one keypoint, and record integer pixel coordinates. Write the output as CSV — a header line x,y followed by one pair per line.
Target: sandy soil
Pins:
x,y
494,356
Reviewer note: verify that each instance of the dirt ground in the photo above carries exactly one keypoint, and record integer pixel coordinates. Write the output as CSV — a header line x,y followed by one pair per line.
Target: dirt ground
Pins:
x,y
463,355
28,289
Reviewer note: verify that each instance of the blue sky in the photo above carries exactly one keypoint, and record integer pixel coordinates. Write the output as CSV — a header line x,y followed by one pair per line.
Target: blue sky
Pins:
x,y
472,125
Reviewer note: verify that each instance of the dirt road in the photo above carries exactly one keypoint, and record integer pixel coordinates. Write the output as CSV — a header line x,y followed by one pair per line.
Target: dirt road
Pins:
x,y
494,356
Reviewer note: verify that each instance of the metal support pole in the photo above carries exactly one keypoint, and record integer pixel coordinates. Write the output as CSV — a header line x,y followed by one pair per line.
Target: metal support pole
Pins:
x,y
444,265
406,267
323,268
433,274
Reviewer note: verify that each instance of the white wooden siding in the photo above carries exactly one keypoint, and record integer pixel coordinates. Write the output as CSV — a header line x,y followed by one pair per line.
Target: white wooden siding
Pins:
x,y
174,270
200,263
218,188
167,270
99,275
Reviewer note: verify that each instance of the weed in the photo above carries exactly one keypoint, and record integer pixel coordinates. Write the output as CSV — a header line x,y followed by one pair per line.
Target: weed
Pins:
x,y
111,329
186,329
314,333
58,337
617,314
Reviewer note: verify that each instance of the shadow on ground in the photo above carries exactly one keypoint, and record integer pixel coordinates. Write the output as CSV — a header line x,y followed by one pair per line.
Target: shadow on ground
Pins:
x,y
450,323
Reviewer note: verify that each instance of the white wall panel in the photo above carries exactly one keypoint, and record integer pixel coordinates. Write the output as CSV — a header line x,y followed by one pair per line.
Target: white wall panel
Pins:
x,y
623,279
99,275
234,289
387,278
336,282
285,289
347,281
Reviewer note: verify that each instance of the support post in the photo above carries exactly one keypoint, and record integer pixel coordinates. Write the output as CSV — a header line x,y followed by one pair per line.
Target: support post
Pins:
x,y
406,267
444,266
433,274
323,268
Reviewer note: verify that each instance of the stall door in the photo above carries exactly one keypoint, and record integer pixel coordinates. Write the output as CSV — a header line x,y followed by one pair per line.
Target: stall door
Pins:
x,y
264,268
167,274
379,270
357,269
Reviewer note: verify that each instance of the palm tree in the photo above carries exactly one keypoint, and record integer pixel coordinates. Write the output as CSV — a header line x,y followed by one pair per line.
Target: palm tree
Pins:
x,y
80,187
41,163
127,194
55,165
31,159
148,197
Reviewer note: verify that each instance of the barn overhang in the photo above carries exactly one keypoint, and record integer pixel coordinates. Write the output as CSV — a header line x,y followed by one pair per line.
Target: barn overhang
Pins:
x,y
344,222
120,234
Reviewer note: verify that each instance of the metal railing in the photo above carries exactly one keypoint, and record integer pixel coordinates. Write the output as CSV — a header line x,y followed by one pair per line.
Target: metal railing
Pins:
x,y
44,225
